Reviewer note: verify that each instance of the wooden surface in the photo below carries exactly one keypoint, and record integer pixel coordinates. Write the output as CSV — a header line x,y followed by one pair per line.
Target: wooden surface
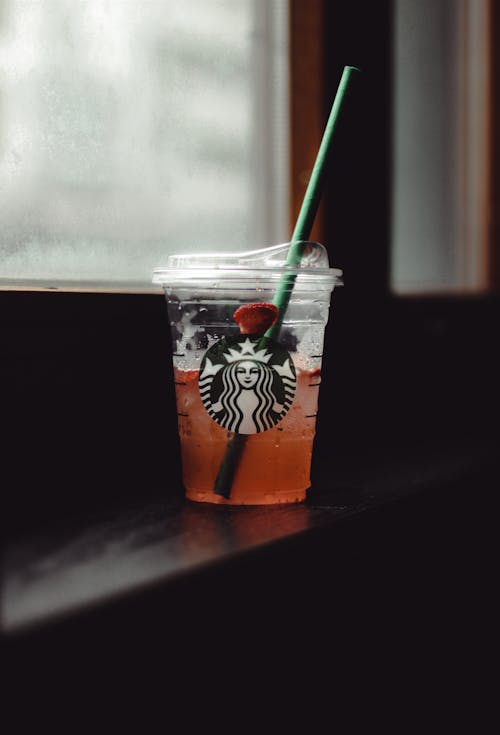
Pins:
x,y
385,584
74,567
307,107
494,128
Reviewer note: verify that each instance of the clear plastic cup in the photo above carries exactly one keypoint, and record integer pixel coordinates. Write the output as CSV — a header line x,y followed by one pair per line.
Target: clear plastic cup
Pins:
x,y
228,382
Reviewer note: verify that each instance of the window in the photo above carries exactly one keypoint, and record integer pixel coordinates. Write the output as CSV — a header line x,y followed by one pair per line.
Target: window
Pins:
x,y
442,147
130,130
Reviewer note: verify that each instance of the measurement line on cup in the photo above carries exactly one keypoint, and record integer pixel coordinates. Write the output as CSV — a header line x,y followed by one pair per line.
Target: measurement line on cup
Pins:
x,y
182,414
179,382
179,354
311,385
311,416
316,356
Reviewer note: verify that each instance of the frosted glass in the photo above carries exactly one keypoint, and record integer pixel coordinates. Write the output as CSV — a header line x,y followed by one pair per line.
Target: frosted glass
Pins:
x,y
440,154
132,129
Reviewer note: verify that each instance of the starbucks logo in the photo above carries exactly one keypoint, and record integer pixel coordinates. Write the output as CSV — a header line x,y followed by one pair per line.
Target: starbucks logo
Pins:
x,y
247,385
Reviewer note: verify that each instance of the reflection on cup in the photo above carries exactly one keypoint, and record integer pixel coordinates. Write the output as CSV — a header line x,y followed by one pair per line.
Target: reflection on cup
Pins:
x,y
206,534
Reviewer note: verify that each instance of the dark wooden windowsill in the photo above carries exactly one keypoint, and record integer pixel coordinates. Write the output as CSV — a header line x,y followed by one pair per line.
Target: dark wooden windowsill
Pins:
x,y
417,504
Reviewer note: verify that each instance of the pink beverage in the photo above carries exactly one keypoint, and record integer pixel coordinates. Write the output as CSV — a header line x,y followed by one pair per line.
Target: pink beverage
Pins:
x,y
230,382
275,466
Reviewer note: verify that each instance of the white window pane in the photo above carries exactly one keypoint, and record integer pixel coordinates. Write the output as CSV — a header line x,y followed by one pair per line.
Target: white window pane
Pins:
x,y
131,128
440,158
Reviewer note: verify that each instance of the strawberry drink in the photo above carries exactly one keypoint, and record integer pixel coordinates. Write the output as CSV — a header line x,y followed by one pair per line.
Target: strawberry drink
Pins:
x,y
246,373
275,466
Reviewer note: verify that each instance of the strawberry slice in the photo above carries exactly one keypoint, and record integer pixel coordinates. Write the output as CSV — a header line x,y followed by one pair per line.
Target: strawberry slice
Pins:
x,y
255,318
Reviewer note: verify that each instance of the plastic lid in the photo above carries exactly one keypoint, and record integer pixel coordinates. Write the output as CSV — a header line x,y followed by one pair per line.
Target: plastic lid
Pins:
x,y
255,263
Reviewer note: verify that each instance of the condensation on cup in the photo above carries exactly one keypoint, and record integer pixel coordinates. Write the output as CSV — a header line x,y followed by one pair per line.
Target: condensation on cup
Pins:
x,y
231,380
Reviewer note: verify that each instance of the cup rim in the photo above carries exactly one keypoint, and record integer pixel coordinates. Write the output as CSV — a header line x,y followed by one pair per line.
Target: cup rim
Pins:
x,y
166,275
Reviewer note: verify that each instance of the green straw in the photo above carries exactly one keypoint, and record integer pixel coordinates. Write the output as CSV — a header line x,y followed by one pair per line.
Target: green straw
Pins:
x,y
301,233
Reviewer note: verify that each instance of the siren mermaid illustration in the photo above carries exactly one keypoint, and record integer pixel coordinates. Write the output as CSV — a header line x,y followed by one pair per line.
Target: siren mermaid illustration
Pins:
x,y
246,393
